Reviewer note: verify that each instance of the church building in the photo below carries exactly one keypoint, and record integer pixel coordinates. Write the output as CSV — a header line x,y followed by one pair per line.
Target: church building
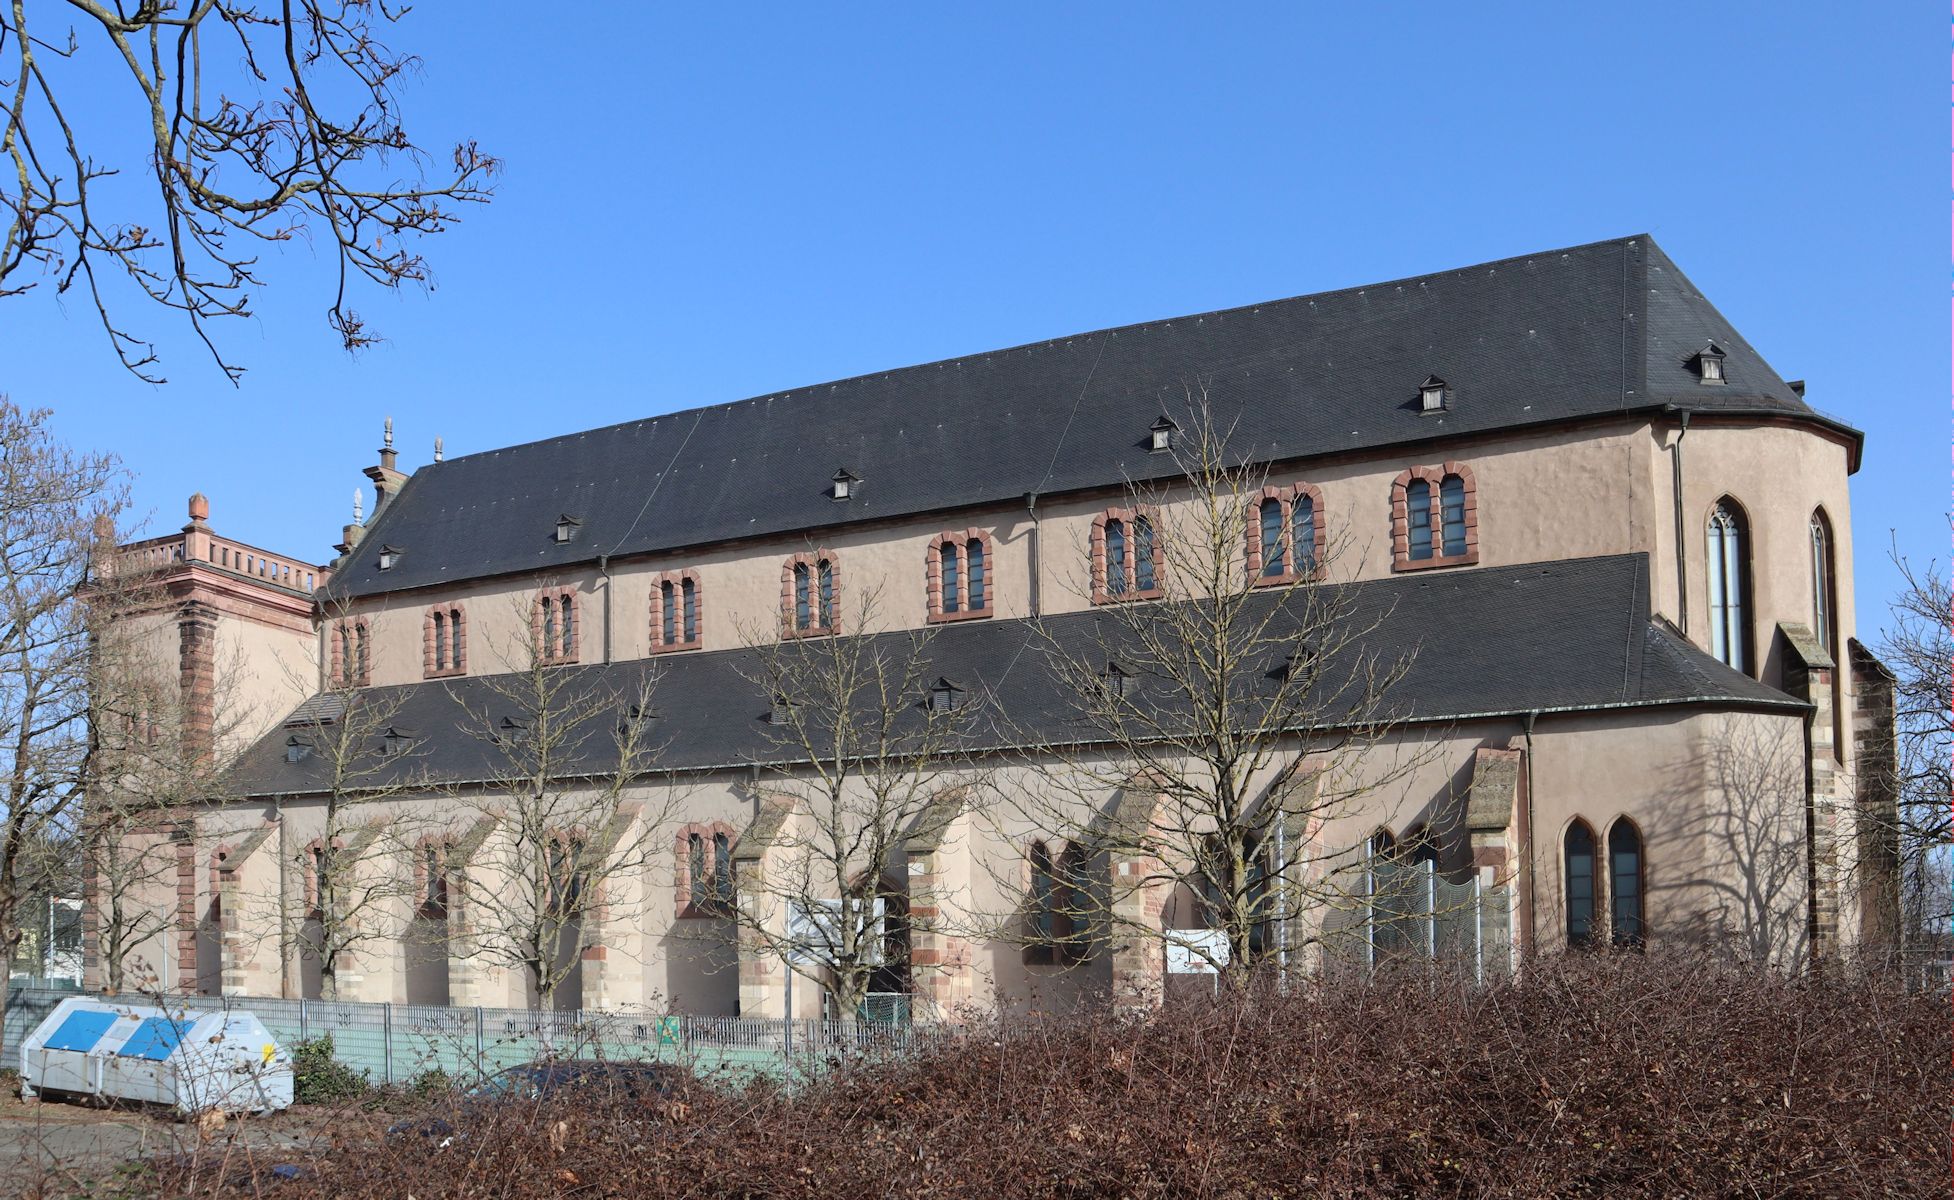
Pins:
x,y
1605,545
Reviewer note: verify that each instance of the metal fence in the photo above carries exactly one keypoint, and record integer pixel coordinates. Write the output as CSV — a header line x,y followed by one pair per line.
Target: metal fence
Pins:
x,y
398,1043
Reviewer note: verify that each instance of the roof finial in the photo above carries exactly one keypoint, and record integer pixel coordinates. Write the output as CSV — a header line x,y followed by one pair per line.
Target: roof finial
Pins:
x,y
437,447
388,440
359,498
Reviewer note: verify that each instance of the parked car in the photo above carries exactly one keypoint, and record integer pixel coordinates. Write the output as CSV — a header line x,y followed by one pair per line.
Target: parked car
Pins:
x,y
640,1086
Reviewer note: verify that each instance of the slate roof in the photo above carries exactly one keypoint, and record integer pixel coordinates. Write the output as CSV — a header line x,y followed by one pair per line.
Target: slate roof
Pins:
x,y
1561,636
1542,338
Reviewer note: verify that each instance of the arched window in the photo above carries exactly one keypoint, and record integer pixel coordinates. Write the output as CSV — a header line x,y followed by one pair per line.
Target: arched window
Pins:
x,y
826,570
1273,563
554,627
956,576
1125,556
1451,506
1054,930
1729,571
1825,621
1143,554
722,868
1044,886
1302,523
810,585
445,644
1578,873
1434,517
974,552
1823,593
1418,515
1116,572
1625,883
349,654
675,611
704,870
946,556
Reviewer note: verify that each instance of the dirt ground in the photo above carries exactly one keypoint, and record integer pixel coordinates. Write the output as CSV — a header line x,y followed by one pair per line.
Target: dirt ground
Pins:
x,y
60,1148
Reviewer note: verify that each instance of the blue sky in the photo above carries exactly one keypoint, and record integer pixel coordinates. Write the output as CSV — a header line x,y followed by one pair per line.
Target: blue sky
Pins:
x,y
711,202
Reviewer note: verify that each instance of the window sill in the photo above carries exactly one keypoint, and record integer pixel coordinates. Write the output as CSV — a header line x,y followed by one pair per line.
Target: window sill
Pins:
x,y
1468,559
445,673
1127,597
677,647
1287,577
812,631
978,614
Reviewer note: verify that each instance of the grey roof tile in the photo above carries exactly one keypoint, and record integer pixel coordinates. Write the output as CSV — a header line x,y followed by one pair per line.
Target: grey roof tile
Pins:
x,y
1545,337
1572,635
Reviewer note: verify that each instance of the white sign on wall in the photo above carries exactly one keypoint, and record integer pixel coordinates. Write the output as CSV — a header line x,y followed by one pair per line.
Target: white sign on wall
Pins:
x,y
1196,951
814,932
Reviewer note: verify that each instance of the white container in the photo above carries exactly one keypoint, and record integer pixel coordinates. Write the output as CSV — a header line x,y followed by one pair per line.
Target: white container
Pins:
x,y
195,1062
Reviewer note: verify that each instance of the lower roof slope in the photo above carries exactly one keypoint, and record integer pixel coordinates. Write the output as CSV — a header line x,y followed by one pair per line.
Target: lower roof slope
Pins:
x,y
1562,334
1558,636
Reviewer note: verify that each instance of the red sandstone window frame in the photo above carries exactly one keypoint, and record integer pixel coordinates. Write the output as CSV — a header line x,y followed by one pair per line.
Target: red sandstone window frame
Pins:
x,y
959,541
1129,518
790,626
556,645
1286,497
714,904
352,639
677,580
452,622
1434,477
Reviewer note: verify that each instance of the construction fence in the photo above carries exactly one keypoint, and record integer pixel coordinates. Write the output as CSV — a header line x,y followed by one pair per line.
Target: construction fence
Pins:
x,y
399,1043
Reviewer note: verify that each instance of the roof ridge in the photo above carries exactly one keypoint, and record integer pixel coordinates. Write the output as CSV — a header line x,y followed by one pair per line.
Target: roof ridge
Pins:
x,y
1107,331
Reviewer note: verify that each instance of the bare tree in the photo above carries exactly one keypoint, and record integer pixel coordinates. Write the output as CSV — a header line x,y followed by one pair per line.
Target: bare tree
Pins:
x,y
1918,646
260,123
368,772
1225,704
864,747
51,499
573,824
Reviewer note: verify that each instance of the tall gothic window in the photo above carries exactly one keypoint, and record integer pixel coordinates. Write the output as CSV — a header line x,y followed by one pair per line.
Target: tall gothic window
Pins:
x,y
1729,571
1625,883
1578,875
1823,593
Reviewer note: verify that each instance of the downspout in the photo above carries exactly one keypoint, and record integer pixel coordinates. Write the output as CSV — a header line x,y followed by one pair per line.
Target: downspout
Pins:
x,y
1031,549
284,904
604,568
1676,495
1533,856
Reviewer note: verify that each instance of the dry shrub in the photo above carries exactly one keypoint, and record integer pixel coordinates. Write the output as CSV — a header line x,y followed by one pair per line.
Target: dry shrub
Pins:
x,y
1609,1076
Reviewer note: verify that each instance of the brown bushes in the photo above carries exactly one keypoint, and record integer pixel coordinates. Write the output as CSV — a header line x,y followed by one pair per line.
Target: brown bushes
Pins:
x,y
1597,1076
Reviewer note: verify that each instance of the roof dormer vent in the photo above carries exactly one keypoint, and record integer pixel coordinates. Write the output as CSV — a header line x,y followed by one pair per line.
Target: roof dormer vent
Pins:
x,y
566,528
1432,395
1160,436
389,555
945,696
1708,363
843,484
